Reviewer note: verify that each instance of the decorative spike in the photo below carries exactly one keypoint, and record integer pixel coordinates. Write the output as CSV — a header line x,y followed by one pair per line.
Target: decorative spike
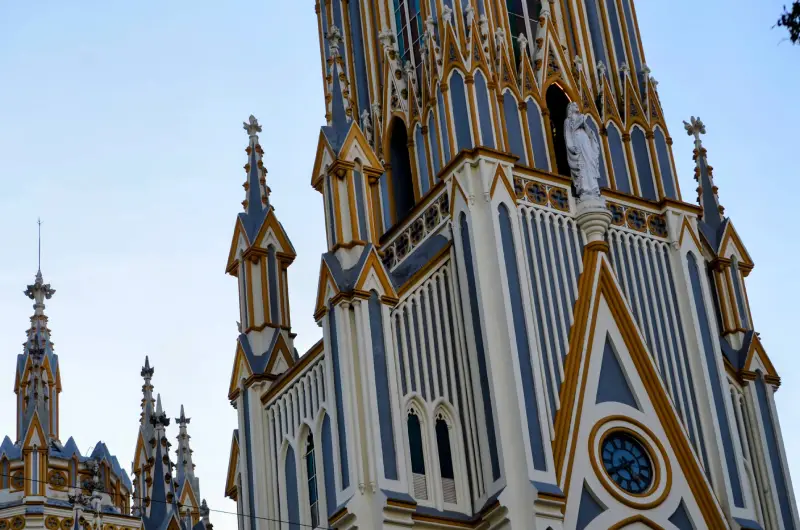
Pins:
x,y
712,217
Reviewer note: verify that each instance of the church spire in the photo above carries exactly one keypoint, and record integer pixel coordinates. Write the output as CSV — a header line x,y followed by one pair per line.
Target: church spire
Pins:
x,y
256,202
38,383
712,218
185,466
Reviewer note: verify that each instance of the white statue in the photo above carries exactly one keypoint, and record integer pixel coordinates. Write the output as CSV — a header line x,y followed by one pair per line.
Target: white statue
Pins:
x,y
583,153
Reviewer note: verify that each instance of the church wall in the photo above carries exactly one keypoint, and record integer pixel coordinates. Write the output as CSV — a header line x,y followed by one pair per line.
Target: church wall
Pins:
x,y
432,364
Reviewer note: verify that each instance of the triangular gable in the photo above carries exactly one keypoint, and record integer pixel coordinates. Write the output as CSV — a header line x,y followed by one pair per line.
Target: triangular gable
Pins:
x,y
654,105
35,434
325,155
529,84
271,225
508,75
500,176
610,110
452,54
186,496
326,289
687,230
633,111
231,487
140,453
239,236
557,67
757,353
374,265
356,140
241,369
280,351
601,312
730,243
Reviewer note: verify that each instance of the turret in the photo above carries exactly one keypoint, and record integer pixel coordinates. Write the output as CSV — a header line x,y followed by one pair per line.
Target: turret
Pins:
x,y
188,484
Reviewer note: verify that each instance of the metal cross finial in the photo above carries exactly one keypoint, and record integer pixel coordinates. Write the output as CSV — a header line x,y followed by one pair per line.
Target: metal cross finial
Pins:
x,y
695,127
39,222
251,126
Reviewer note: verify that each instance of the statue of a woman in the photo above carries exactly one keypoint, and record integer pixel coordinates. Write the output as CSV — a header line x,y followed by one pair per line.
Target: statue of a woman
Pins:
x,y
583,153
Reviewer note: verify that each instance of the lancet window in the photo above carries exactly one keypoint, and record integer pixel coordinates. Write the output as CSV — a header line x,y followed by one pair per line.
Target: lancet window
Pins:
x,y
523,16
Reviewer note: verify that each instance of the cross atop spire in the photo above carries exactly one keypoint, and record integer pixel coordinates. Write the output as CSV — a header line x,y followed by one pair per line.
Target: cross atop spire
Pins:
x,y
712,219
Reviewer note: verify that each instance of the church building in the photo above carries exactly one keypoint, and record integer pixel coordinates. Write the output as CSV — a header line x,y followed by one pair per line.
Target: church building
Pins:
x,y
46,483
526,323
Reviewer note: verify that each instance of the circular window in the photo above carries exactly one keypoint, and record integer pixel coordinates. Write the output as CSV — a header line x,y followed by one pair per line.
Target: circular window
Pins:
x,y
627,462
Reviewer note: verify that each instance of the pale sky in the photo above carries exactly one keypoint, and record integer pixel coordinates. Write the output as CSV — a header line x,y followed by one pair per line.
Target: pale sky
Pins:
x,y
120,125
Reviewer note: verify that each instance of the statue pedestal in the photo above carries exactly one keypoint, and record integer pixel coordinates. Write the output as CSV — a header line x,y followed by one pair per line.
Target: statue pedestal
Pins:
x,y
594,219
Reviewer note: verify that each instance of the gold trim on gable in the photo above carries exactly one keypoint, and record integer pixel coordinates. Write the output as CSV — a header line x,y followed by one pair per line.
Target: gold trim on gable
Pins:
x,y
596,282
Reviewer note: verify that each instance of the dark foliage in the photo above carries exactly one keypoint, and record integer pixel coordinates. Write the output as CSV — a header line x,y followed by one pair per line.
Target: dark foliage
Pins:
x,y
790,19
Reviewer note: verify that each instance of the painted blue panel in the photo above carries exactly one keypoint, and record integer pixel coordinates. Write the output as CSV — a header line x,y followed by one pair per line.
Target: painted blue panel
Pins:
x,y
484,112
443,128
716,383
433,135
332,212
538,140
551,391
637,58
324,14
588,509
437,353
681,518
337,388
478,331
737,289
460,112
386,209
337,14
422,160
327,464
771,433
642,157
274,294
425,339
382,388
603,176
700,446
357,38
613,386
248,447
416,333
596,31
412,371
292,500
616,33
664,165
513,127
361,207
400,354
521,336
621,176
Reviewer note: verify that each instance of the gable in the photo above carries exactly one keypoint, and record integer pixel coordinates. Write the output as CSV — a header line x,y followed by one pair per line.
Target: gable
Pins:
x,y
605,332
241,370
231,487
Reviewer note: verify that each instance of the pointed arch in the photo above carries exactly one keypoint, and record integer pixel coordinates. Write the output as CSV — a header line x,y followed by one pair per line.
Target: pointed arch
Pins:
x,y
618,159
665,164
422,160
433,138
536,129
461,117
641,156
484,109
290,487
416,426
401,181
557,102
516,140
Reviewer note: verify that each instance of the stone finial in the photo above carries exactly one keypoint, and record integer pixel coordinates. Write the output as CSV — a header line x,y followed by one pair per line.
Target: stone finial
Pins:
x,y
447,14
483,23
601,68
430,26
646,71
147,370
695,127
334,38
544,12
625,69
578,62
252,127
387,39
469,15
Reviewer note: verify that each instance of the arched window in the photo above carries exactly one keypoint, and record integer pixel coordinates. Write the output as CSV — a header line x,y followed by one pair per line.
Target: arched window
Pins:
x,y
618,161
738,290
417,456
641,154
523,17
408,22
446,461
557,102
403,188
311,478
516,141
484,110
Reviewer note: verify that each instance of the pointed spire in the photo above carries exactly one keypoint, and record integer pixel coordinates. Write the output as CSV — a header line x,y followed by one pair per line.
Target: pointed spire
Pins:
x,y
712,218
256,202
147,394
159,410
185,466
339,111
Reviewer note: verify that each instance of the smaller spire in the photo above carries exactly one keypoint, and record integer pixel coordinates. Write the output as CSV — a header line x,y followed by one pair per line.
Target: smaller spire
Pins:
x,y
159,410
183,420
256,202
147,370
712,217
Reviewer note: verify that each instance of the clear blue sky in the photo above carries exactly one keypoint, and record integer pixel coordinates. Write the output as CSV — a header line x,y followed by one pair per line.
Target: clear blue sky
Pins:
x,y
120,125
